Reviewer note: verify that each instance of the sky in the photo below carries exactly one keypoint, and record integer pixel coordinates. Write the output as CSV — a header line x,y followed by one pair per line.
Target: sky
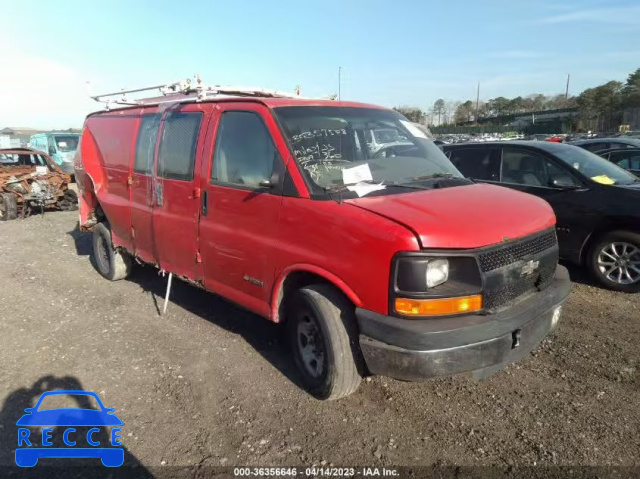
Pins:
x,y
400,53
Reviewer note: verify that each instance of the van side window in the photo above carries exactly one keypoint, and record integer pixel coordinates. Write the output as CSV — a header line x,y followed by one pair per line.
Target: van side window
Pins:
x,y
178,145
477,163
146,144
244,153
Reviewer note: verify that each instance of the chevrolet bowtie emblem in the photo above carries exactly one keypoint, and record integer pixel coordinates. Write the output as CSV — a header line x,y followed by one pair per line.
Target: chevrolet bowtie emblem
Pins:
x,y
529,268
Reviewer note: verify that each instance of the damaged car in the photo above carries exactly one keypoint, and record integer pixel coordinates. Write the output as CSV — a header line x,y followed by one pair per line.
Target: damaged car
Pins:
x,y
31,182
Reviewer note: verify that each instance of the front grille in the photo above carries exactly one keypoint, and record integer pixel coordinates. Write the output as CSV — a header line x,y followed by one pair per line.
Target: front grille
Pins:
x,y
518,251
510,292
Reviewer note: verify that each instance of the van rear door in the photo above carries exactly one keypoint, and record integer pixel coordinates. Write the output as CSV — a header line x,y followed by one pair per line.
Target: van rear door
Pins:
x,y
142,199
175,216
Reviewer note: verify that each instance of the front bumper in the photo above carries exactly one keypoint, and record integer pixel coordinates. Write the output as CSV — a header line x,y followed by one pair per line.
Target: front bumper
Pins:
x,y
415,349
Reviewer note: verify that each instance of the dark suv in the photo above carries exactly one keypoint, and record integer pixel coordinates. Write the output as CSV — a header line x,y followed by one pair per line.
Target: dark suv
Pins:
x,y
596,202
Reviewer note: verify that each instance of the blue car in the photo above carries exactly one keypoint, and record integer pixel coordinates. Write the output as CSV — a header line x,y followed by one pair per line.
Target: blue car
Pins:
x,y
67,418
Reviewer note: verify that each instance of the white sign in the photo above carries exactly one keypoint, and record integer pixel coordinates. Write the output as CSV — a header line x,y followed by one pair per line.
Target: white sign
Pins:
x,y
41,170
362,189
356,174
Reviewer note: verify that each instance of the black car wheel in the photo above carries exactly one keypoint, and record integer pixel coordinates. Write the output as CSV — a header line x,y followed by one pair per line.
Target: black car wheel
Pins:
x,y
323,337
8,206
615,261
110,263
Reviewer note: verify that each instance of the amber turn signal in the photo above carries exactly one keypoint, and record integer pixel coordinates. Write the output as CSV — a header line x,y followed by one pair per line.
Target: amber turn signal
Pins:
x,y
433,307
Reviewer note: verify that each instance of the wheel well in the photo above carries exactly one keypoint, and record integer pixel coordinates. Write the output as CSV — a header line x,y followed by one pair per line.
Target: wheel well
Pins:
x,y
295,281
601,230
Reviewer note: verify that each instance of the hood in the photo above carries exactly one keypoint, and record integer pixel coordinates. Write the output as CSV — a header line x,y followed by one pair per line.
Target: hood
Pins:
x,y
469,216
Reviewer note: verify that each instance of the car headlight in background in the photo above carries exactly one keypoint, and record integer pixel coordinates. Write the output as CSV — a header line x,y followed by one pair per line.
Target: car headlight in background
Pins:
x,y
437,272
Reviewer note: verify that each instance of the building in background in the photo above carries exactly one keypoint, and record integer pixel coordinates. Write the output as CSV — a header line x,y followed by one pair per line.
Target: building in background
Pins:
x,y
15,137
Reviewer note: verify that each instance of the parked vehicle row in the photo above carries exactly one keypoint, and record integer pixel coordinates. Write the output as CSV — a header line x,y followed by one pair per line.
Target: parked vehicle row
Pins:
x,y
595,201
378,257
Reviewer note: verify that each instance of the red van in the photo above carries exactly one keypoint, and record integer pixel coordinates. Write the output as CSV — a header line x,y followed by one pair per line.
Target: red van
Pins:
x,y
378,260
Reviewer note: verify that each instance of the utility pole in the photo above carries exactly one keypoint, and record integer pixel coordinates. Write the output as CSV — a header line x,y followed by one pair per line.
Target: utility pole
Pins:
x,y
478,104
339,81
566,93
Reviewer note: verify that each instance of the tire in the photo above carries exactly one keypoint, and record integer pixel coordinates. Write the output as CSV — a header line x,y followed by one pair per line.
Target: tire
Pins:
x,y
8,206
614,261
321,313
110,263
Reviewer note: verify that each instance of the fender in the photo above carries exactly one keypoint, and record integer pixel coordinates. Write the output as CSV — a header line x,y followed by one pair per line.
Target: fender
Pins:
x,y
87,202
276,294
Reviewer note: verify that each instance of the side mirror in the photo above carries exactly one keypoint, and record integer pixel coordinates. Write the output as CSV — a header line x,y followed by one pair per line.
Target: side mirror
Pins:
x,y
29,410
52,152
266,184
564,184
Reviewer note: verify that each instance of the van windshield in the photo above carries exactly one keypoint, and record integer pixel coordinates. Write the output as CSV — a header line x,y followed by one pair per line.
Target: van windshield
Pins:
x,y
65,143
333,147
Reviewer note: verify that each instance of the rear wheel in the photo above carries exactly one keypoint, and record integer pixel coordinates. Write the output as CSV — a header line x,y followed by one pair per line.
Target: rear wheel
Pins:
x,y
614,261
110,263
8,206
323,336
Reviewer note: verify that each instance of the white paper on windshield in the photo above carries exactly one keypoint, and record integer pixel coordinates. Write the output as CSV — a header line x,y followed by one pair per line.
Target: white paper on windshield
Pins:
x,y
62,144
362,189
41,170
356,174
413,129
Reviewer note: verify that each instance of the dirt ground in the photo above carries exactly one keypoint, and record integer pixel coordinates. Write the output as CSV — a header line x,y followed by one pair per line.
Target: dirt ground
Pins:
x,y
210,384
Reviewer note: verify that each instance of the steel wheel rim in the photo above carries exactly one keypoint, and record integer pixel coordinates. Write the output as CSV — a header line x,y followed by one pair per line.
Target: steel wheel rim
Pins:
x,y
310,343
619,262
102,253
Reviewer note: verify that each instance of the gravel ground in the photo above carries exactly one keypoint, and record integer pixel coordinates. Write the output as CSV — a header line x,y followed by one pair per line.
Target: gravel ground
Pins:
x,y
210,384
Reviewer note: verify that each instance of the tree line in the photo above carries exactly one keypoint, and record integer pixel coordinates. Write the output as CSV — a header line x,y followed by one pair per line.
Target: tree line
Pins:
x,y
599,108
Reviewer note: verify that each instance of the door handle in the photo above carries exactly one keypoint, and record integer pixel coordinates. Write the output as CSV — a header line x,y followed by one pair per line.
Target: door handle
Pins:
x,y
205,203
158,194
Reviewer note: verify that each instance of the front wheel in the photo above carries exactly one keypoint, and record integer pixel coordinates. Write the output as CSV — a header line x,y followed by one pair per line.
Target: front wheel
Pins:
x,y
614,261
8,206
323,336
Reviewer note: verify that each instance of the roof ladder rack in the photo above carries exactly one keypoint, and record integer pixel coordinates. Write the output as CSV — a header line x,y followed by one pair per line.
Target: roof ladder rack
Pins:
x,y
186,90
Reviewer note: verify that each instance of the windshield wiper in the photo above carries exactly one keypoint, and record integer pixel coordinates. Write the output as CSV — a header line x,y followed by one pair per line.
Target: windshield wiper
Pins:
x,y
406,185
336,188
431,177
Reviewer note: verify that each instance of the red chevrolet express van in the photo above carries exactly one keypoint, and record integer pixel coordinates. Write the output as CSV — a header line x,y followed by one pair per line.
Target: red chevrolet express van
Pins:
x,y
378,260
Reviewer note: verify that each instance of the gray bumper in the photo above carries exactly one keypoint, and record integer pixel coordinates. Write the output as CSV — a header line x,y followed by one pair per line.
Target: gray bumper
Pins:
x,y
424,348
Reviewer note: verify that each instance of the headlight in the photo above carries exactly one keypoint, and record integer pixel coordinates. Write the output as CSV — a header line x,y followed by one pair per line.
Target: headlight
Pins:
x,y
437,272
424,277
